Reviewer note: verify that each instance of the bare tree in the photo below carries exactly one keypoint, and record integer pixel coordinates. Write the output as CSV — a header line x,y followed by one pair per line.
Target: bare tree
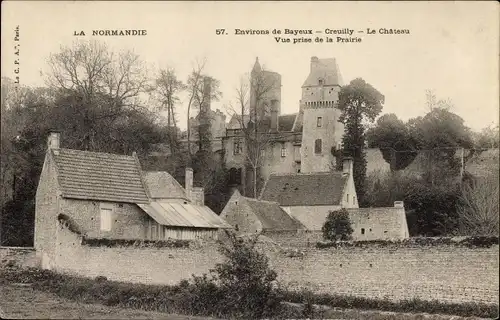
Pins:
x,y
166,93
195,80
90,68
253,103
103,81
479,211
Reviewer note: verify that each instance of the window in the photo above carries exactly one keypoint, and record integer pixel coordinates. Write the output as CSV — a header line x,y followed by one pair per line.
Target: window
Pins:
x,y
320,81
283,152
106,218
237,147
353,199
362,230
317,146
347,198
319,122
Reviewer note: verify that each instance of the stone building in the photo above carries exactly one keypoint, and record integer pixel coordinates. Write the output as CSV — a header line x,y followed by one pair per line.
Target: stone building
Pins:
x,y
309,197
250,216
108,196
295,143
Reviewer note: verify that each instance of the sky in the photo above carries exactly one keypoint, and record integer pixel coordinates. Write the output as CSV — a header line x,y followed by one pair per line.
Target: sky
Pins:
x,y
452,47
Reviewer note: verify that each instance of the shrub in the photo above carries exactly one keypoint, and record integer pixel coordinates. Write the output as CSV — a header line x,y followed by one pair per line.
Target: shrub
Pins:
x,y
245,280
337,226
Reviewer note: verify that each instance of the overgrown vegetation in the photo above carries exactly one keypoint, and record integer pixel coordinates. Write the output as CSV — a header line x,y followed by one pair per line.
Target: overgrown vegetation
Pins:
x,y
200,296
469,242
337,226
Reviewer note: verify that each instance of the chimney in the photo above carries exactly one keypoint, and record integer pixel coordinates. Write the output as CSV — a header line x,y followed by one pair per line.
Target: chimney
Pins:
x,y
314,62
207,93
347,166
188,182
399,204
274,115
54,140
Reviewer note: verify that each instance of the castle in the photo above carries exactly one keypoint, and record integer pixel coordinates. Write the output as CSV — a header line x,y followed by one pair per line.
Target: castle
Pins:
x,y
290,143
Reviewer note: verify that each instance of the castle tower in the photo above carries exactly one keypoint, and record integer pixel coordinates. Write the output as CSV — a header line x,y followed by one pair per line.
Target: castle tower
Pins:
x,y
321,130
265,90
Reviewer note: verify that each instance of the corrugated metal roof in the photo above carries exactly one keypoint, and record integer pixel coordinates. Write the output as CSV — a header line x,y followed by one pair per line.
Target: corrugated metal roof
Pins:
x,y
183,215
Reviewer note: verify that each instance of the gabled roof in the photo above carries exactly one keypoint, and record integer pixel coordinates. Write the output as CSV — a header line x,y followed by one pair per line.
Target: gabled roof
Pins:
x,y
305,189
99,176
161,185
285,122
183,215
272,217
326,69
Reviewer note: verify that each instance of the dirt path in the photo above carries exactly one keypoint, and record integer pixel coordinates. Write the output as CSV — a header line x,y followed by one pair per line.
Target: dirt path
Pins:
x,y
21,302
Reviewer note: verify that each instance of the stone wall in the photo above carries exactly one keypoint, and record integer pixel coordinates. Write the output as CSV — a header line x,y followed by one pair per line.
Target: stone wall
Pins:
x,y
444,272
19,256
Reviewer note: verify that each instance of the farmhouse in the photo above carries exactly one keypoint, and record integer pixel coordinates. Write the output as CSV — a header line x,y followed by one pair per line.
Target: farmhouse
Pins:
x,y
108,196
310,197
248,216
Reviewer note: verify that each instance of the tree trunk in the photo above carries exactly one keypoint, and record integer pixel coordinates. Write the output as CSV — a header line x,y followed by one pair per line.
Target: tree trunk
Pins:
x,y
255,182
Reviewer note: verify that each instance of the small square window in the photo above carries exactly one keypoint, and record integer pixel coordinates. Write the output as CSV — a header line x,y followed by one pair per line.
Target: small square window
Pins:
x,y
319,122
320,81
283,152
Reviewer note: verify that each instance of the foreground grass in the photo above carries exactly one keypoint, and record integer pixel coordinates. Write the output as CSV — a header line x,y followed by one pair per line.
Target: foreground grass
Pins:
x,y
189,299
19,302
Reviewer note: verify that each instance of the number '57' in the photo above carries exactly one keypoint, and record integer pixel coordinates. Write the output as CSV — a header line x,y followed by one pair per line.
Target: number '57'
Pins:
x,y
220,31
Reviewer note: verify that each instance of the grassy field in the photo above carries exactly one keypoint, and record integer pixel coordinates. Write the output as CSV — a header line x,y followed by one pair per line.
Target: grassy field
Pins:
x,y
22,302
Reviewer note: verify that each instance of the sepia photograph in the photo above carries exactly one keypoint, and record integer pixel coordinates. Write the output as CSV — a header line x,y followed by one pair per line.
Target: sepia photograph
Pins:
x,y
250,160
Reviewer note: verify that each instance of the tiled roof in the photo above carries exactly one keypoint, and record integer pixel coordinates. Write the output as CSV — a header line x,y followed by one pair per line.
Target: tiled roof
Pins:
x,y
183,215
99,176
305,189
286,121
272,216
161,185
326,69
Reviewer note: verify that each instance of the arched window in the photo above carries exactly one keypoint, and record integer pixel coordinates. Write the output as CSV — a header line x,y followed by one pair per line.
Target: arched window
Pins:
x,y
317,146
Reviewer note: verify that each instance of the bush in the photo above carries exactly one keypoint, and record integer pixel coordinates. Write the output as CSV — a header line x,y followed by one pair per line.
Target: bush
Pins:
x,y
337,226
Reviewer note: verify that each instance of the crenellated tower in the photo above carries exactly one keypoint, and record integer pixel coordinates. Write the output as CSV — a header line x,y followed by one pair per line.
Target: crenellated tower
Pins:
x,y
318,108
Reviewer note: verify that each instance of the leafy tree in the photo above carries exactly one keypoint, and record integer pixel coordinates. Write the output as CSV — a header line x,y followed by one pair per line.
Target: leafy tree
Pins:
x,y
359,101
393,138
488,138
337,226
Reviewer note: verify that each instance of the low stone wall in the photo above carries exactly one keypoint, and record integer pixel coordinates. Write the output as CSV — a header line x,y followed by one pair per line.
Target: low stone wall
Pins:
x,y
25,257
442,271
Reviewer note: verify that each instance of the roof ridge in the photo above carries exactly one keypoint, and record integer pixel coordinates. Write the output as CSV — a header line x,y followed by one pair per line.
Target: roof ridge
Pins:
x,y
97,153
282,174
260,200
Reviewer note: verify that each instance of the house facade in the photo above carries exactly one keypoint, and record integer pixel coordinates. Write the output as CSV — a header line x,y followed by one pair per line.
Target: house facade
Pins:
x,y
108,196
250,216
309,197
